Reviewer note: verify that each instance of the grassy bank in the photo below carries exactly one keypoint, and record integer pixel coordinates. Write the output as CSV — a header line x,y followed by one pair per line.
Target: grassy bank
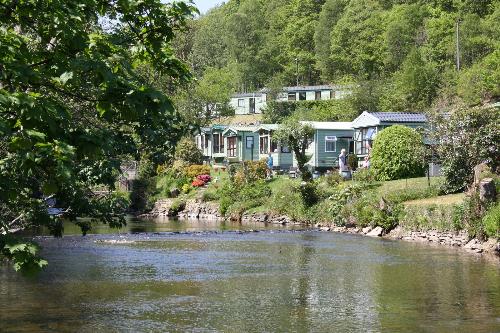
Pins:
x,y
414,204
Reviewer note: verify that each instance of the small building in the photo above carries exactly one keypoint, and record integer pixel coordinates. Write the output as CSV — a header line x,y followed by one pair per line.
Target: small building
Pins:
x,y
241,143
212,144
248,103
329,139
255,102
282,155
368,124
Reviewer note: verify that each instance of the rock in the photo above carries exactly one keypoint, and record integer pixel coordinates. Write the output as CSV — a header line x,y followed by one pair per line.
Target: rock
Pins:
x,y
325,229
366,230
474,245
479,170
376,232
487,190
492,245
174,193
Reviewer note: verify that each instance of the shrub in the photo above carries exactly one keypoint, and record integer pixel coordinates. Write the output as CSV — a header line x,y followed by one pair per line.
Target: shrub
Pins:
x,y
364,175
309,193
204,178
187,151
491,221
398,152
179,168
352,161
467,137
177,206
333,179
198,183
196,170
186,188
249,171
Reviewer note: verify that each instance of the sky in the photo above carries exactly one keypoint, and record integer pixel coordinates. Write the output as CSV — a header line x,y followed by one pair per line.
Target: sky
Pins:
x,y
204,5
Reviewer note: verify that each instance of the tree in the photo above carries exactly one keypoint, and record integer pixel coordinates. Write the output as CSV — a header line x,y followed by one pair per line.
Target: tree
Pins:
x,y
298,137
467,137
187,152
330,13
72,105
398,152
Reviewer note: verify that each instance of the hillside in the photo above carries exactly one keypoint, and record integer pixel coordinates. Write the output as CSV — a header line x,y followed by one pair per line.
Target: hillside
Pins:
x,y
400,54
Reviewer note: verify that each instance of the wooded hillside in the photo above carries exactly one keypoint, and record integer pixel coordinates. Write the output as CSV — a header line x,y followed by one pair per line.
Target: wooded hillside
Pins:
x,y
401,54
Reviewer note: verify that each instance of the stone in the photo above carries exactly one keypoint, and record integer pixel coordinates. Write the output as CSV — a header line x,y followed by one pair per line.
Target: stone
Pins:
x,y
366,230
487,190
474,245
376,232
325,228
174,193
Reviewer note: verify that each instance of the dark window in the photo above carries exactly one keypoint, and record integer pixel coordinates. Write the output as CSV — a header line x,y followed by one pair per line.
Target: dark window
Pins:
x,y
292,96
218,143
206,141
317,95
302,96
252,105
264,144
249,144
274,146
285,149
332,94
231,146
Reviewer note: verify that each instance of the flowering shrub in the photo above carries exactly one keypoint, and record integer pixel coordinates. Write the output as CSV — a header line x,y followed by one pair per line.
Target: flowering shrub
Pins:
x,y
196,170
186,188
198,183
204,178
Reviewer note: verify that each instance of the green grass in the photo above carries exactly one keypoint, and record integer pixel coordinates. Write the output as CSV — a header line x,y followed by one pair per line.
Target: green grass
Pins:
x,y
443,200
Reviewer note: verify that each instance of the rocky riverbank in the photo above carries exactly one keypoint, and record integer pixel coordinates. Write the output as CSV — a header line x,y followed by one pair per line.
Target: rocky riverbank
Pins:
x,y
196,209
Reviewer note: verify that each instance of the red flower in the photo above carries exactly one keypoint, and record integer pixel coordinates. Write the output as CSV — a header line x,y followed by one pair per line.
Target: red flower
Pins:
x,y
198,183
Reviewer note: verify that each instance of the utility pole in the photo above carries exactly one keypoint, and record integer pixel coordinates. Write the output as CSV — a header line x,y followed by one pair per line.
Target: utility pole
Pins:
x,y
458,45
297,70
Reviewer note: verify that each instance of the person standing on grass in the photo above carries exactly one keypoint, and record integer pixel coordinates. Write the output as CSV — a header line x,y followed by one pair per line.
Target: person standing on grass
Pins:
x,y
269,165
342,161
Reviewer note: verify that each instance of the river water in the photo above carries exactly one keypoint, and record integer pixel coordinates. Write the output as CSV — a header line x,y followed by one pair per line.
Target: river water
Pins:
x,y
204,277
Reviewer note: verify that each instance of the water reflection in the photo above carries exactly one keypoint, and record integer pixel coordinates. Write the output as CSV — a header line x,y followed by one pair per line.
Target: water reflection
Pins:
x,y
249,282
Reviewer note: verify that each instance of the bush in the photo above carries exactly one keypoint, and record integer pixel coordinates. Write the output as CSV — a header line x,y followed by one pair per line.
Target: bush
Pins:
x,y
364,175
186,188
352,161
187,151
249,171
198,183
204,178
398,152
467,138
177,206
491,221
309,193
196,170
333,179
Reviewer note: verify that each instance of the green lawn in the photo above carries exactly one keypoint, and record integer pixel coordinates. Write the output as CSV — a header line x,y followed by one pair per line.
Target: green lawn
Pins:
x,y
443,200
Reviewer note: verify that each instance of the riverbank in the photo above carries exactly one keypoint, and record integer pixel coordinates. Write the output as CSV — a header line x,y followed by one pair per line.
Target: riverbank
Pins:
x,y
197,209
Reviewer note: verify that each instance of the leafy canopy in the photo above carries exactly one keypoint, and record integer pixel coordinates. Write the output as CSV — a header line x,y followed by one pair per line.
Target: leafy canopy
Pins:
x,y
73,105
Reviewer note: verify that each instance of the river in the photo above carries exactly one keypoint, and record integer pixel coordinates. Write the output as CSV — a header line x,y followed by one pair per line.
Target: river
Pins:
x,y
201,276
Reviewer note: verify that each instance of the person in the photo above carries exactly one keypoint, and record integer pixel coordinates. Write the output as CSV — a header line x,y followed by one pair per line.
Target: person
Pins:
x,y
342,161
269,165
366,163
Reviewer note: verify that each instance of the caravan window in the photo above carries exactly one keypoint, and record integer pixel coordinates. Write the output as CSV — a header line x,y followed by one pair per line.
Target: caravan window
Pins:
x,y
330,144
241,102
